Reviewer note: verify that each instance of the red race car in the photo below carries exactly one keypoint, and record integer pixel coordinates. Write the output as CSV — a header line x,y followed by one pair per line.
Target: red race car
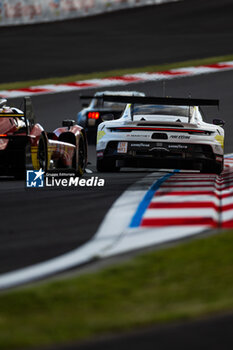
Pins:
x,y
24,144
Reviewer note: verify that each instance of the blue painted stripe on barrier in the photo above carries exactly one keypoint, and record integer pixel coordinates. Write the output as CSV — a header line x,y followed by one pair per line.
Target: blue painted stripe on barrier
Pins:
x,y
137,218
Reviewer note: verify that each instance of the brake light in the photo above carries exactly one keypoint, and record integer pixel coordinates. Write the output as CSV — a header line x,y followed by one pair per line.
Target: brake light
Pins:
x,y
93,115
3,135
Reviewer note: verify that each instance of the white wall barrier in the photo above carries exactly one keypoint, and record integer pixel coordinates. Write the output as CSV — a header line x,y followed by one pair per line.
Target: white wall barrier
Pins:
x,y
16,12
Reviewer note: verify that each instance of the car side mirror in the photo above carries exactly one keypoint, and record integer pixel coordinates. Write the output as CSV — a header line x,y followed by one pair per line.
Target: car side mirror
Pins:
x,y
28,111
219,122
107,117
68,123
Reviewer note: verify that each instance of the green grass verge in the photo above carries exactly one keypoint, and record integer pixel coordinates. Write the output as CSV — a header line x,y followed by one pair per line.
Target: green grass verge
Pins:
x,y
78,77
179,283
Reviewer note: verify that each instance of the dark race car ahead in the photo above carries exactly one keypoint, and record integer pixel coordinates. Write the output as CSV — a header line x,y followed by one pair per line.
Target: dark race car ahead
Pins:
x,y
24,144
161,133
91,116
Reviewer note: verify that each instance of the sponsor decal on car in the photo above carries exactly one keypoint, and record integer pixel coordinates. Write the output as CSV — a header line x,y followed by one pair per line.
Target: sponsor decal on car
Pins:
x,y
138,135
185,137
140,144
100,134
178,146
220,139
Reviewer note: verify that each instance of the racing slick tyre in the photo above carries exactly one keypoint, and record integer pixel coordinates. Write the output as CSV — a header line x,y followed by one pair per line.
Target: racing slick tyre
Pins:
x,y
213,169
218,168
106,165
82,154
43,152
20,173
91,137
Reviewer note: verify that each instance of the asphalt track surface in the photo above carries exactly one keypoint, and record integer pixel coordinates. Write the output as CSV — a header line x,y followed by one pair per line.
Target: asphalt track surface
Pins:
x,y
130,38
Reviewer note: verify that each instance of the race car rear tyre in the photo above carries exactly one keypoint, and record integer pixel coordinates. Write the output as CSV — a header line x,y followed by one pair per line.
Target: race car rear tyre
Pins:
x,y
91,137
106,165
43,152
216,168
81,156
20,173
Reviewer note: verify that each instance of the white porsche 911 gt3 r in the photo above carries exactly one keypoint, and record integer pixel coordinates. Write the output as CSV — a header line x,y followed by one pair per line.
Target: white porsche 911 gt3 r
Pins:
x,y
161,133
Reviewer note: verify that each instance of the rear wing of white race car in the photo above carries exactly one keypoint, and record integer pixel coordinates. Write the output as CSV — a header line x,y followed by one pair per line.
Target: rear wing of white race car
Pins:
x,y
167,101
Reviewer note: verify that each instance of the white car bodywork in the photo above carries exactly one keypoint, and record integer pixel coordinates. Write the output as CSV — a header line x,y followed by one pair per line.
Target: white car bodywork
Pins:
x,y
172,140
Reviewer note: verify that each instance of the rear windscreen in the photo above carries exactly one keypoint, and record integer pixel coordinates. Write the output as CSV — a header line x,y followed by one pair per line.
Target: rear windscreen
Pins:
x,y
175,111
99,103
